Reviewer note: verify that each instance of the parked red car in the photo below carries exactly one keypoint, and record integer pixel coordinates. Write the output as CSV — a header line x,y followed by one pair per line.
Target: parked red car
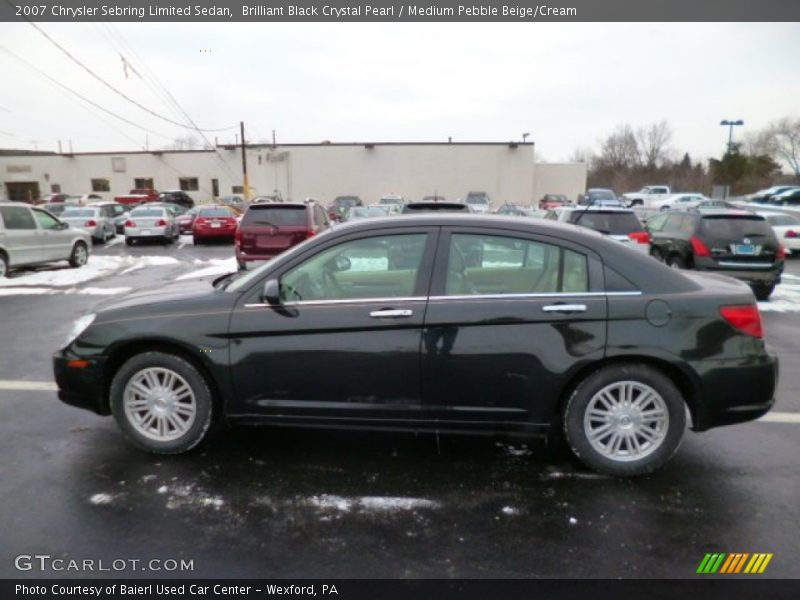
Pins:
x,y
186,220
137,196
268,229
214,221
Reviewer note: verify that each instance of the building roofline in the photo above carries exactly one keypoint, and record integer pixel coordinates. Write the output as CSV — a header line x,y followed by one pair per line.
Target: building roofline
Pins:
x,y
12,152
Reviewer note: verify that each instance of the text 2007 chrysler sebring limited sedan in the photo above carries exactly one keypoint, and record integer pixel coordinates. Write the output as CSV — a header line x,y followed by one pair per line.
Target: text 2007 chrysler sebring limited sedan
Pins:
x,y
439,322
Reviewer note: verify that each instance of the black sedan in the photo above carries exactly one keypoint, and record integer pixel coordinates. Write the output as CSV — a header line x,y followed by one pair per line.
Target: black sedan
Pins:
x,y
435,322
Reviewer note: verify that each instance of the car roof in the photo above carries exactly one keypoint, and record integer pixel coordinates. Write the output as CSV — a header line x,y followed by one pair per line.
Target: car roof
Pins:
x,y
595,208
727,212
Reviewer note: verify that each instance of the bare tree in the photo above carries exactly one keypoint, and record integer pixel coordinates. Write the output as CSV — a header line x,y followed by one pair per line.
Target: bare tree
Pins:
x,y
653,144
619,150
582,155
781,140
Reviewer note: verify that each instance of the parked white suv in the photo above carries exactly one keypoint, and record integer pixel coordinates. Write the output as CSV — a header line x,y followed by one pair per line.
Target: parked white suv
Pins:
x,y
647,195
30,236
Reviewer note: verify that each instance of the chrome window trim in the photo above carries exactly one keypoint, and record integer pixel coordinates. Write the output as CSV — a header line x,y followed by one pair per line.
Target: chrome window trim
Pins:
x,y
440,298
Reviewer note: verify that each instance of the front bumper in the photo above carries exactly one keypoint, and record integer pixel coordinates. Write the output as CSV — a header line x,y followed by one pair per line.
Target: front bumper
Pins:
x,y
81,387
735,391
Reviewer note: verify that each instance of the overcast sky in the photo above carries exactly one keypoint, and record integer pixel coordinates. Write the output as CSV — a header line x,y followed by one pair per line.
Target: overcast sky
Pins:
x,y
568,85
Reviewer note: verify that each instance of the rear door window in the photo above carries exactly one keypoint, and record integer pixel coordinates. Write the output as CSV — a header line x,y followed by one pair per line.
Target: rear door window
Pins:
x,y
614,223
492,265
17,217
735,228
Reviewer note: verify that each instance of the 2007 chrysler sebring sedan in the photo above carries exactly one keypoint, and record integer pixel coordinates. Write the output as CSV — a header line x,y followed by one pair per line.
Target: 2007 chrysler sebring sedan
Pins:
x,y
437,322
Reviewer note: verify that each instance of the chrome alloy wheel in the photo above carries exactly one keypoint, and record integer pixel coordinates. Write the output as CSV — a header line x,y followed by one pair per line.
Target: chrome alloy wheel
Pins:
x,y
81,254
626,421
159,404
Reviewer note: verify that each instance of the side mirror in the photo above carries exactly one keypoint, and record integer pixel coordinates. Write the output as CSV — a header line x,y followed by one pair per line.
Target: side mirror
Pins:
x,y
272,292
63,226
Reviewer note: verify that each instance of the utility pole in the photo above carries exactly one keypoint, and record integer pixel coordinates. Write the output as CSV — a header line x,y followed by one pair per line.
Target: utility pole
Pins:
x,y
244,166
273,138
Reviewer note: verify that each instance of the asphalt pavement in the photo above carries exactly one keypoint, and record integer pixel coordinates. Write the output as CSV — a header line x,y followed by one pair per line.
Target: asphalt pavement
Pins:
x,y
263,502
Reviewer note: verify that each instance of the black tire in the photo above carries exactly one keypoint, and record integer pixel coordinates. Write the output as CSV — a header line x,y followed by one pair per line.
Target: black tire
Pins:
x,y
129,241
581,397
194,379
242,265
195,240
656,253
763,292
3,265
677,262
79,255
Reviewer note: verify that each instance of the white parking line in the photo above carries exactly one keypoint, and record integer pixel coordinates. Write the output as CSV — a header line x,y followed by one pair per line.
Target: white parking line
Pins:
x,y
39,386
47,386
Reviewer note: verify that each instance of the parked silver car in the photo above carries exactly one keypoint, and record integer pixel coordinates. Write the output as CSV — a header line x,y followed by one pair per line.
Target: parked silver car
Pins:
x,y
151,222
119,213
97,220
30,235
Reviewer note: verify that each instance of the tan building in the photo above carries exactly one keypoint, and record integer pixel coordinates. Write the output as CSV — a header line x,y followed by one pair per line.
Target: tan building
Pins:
x,y
506,171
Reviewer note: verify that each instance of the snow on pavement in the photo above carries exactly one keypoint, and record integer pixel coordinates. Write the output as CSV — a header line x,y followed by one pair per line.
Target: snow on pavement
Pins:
x,y
218,266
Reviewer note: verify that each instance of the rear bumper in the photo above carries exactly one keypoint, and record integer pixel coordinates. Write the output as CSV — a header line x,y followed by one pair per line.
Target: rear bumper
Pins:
x,y
751,276
735,391
80,387
260,255
214,233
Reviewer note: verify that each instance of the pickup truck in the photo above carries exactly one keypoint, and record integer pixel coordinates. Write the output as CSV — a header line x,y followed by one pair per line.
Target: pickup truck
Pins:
x,y
647,195
137,196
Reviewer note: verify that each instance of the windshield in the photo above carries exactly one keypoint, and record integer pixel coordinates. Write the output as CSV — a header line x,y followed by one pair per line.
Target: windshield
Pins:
x,y
276,215
735,227
346,201
602,195
219,211
781,220
614,223
477,200
148,212
390,201
78,213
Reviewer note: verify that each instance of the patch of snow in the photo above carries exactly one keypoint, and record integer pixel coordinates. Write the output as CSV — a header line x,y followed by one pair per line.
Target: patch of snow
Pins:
x,y
146,478
94,291
370,503
510,511
218,267
511,450
98,499
573,521
163,489
25,291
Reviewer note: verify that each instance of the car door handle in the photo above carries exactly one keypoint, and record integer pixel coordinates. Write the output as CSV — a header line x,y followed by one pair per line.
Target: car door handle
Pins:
x,y
567,308
391,313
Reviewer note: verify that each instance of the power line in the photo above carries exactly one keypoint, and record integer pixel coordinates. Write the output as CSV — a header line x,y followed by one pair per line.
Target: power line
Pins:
x,y
81,96
114,89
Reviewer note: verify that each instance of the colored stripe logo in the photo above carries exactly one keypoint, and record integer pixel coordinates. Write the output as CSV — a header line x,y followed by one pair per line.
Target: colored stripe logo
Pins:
x,y
736,562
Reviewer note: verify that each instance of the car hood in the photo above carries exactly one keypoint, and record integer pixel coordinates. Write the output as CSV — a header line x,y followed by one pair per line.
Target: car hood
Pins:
x,y
179,291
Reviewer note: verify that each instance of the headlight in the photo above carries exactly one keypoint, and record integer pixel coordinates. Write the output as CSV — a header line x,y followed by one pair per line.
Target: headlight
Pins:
x,y
78,327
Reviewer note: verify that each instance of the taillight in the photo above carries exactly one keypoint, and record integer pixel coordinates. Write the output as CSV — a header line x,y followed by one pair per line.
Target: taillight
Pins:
x,y
130,223
744,317
310,233
161,223
781,253
200,221
698,247
790,234
640,237
91,223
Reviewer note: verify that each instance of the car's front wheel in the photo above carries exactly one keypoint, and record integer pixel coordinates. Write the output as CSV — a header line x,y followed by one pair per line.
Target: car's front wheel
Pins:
x,y
162,403
79,255
625,420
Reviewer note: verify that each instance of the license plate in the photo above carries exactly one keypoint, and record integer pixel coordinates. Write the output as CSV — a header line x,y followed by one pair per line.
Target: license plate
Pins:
x,y
745,249
145,232
216,225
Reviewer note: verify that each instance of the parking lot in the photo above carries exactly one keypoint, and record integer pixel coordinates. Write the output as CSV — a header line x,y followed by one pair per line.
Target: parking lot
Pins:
x,y
286,503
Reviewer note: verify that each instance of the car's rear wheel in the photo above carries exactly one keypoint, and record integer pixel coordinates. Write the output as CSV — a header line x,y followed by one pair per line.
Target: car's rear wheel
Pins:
x,y
129,241
162,403
195,240
763,292
242,265
625,420
3,265
656,253
79,255
677,262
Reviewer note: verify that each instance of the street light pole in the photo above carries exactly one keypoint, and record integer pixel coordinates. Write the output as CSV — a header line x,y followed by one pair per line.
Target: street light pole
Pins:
x,y
524,137
731,125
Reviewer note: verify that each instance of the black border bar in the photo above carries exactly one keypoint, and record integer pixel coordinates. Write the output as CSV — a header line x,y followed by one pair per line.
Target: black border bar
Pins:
x,y
706,587
542,11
